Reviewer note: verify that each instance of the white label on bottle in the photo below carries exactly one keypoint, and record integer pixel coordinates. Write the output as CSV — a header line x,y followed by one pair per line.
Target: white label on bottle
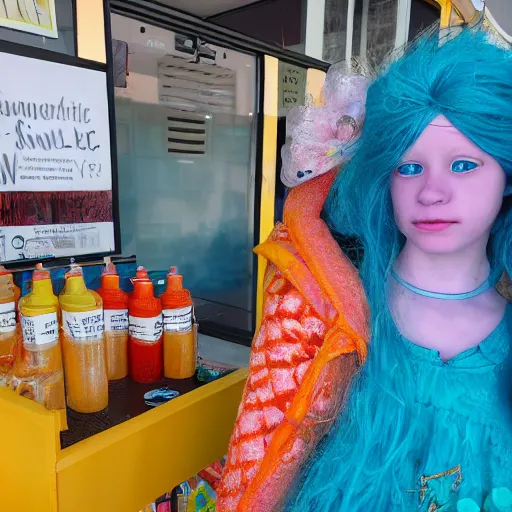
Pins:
x,y
116,320
40,330
7,317
88,325
178,320
146,329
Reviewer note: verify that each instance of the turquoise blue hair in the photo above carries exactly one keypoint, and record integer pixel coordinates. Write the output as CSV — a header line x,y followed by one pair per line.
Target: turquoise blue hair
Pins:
x,y
468,80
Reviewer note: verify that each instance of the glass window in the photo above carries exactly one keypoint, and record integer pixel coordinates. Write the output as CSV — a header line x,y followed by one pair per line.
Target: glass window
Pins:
x,y
381,33
335,30
358,44
186,158
373,29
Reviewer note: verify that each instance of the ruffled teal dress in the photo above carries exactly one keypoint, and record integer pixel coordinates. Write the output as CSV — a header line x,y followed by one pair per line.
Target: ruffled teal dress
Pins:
x,y
419,434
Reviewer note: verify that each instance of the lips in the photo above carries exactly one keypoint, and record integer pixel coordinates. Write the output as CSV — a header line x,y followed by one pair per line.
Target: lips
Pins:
x,y
434,224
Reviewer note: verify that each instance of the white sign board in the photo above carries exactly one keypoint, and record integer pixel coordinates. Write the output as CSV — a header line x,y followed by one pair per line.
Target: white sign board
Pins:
x,y
55,160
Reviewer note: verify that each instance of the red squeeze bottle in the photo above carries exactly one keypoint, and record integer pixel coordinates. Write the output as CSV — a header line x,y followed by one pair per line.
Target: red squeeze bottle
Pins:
x,y
115,307
145,345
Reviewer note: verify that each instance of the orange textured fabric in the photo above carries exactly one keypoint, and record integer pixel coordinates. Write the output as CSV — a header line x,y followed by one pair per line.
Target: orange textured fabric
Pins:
x,y
313,335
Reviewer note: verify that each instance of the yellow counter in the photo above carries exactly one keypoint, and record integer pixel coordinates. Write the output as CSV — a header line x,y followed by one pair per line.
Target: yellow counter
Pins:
x,y
122,469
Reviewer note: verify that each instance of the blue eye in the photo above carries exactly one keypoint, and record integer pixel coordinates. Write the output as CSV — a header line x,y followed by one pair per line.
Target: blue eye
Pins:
x,y
410,169
464,166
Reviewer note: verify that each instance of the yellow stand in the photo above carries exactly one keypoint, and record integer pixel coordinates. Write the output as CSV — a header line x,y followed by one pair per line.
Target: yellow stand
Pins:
x,y
120,470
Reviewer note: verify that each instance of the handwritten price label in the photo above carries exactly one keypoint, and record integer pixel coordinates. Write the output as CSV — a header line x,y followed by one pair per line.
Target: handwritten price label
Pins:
x,y
88,326
178,320
7,317
116,320
40,330
146,329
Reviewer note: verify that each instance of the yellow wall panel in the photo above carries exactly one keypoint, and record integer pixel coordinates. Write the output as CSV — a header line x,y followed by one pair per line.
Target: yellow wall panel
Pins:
x,y
314,83
91,30
269,162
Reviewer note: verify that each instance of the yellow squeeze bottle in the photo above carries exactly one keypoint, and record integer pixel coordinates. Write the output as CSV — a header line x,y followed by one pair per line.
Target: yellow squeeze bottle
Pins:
x,y
83,345
38,369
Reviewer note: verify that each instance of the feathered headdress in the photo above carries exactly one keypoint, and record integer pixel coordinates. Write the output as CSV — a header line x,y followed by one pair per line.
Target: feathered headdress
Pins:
x,y
318,137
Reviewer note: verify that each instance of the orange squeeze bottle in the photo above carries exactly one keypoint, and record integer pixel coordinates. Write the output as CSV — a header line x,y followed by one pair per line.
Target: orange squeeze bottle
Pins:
x,y
115,307
83,345
180,336
9,330
16,289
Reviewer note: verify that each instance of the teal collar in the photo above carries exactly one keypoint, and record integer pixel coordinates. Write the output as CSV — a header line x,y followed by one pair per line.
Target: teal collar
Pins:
x,y
443,296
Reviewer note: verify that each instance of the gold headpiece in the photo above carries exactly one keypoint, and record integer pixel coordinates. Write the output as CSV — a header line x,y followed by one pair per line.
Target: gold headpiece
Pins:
x,y
456,14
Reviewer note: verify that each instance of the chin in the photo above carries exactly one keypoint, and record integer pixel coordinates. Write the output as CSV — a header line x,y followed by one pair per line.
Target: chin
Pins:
x,y
439,245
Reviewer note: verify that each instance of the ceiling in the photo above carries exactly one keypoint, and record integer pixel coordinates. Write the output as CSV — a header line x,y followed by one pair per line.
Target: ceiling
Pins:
x,y
206,8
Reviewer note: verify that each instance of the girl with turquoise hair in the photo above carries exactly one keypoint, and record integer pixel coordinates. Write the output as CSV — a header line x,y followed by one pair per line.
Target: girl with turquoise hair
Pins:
x,y
427,423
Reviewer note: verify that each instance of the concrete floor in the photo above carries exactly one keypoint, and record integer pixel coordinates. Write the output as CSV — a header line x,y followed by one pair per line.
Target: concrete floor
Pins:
x,y
220,351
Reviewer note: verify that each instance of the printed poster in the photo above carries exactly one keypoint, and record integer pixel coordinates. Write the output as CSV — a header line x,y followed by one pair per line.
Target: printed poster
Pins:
x,y
55,161
34,16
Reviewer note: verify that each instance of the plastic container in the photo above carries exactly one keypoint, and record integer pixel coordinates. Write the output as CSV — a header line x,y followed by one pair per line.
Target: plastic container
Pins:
x,y
83,345
38,372
145,332
180,336
9,329
16,289
115,309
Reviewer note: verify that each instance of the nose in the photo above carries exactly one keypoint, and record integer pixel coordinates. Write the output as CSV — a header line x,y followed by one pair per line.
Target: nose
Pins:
x,y
435,190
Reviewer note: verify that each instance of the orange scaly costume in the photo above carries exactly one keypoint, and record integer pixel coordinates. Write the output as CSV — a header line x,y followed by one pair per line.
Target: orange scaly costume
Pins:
x,y
312,338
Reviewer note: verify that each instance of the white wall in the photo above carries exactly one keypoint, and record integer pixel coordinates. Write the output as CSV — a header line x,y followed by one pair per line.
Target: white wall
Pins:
x,y
145,49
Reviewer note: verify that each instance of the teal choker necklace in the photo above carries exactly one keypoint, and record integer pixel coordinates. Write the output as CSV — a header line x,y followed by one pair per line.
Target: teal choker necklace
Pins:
x,y
443,296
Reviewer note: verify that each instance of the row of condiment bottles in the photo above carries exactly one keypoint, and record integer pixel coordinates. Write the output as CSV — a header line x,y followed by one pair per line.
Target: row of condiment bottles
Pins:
x,y
104,335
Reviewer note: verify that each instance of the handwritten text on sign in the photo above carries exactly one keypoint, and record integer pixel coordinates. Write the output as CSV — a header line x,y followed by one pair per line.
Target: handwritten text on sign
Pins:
x,y
54,129
292,85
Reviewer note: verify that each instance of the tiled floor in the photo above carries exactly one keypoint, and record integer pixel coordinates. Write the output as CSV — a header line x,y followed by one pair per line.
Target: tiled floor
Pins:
x,y
221,351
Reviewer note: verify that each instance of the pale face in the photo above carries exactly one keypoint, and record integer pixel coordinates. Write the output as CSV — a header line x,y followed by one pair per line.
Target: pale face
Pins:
x,y
447,192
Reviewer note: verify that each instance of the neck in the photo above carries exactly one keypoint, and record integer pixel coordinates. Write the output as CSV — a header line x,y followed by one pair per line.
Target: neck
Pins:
x,y
458,272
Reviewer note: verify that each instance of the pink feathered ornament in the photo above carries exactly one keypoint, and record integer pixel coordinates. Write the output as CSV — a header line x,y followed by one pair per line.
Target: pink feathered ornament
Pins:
x,y
319,136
